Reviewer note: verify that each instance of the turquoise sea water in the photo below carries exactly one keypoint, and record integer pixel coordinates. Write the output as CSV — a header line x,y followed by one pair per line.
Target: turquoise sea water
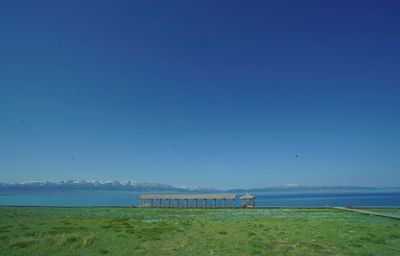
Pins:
x,y
126,198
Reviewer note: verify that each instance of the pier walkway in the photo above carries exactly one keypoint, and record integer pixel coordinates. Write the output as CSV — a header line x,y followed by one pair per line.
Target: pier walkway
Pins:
x,y
188,201
392,216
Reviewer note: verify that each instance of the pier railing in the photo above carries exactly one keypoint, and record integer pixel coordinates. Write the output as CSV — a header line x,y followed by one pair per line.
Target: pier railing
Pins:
x,y
187,200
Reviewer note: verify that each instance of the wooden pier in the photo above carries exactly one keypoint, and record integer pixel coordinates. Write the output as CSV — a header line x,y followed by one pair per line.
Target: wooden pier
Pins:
x,y
188,201
370,213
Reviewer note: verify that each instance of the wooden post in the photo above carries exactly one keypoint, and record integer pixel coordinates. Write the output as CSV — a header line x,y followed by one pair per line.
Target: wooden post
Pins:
x,y
169,203
195,203
224,203
186,203
215,203
204,203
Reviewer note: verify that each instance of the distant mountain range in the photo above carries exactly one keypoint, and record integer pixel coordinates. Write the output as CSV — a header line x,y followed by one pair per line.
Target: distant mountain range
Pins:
x,y
94,185
86,185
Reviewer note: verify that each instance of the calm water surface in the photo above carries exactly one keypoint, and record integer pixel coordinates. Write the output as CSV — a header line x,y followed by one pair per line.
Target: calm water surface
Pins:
x,y
124,198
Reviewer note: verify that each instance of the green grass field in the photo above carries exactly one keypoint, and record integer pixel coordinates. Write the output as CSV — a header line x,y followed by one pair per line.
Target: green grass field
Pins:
x,y
132,231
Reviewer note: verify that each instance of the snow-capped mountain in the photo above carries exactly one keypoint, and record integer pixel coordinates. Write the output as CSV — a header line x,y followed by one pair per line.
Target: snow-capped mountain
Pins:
x,y
96,185
88,185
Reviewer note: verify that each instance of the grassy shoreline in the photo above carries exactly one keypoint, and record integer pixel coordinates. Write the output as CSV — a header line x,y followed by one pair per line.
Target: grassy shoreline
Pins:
x,y
136,231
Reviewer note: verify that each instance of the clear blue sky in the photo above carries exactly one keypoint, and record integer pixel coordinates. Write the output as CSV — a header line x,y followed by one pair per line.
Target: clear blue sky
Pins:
x,y
210,93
